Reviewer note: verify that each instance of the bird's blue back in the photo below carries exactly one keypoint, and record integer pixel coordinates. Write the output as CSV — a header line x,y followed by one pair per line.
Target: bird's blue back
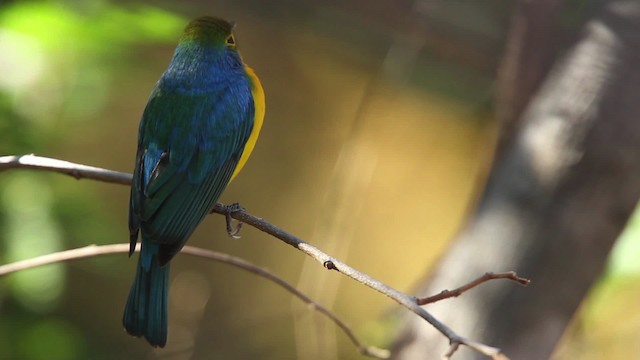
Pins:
x,y
192,134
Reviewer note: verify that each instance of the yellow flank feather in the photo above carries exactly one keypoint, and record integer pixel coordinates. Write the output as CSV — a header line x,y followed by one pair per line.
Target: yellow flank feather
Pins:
x,y
259,105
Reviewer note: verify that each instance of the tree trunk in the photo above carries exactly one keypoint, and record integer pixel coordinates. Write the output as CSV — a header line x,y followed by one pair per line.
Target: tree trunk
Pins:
x,y
531,47
555,202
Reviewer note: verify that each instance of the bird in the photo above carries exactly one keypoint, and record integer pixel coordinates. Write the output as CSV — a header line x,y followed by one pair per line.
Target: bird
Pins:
x,y
200,125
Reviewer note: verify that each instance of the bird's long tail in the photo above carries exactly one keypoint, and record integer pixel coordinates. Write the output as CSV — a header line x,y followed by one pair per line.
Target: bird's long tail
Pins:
x,y
146,311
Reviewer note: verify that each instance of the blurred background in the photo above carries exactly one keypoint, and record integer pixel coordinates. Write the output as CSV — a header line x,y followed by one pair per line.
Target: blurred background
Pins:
x,y
378,135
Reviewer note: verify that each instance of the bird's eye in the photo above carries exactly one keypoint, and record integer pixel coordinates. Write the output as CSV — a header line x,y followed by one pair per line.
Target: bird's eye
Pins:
x,y
231,41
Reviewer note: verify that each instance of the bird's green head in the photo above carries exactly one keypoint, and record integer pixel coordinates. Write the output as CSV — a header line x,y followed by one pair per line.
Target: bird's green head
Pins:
x,y
210,31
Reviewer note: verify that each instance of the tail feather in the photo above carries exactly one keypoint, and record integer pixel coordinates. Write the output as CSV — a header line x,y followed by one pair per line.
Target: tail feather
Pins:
x,y
146,311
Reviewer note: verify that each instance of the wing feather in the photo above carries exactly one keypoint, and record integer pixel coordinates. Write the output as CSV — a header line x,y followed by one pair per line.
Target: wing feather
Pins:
x,y
190,148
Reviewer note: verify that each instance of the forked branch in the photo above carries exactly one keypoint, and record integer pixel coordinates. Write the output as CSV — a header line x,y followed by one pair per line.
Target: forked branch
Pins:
x,y
410,302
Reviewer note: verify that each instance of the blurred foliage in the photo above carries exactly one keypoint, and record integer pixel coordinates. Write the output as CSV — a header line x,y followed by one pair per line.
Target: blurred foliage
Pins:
x,y
56,60
377,128
605,328
624,262
27,200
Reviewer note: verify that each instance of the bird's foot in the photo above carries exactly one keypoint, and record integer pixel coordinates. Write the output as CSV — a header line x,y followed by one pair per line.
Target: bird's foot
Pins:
x,y
228,210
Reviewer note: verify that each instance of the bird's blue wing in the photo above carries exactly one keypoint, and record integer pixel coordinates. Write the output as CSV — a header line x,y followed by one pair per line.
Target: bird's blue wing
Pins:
x,y
190,146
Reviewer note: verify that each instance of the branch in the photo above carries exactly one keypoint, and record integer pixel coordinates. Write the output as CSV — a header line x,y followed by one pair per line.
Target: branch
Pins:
x,y
98,250
78,171
330,263
445,294
410,302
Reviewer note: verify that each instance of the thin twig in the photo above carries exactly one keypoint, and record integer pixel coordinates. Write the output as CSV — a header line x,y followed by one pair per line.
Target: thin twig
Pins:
x,y
410,302
98,250
445,294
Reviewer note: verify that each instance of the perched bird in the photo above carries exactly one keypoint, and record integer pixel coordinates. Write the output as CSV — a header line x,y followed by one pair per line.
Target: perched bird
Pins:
x,y
198,129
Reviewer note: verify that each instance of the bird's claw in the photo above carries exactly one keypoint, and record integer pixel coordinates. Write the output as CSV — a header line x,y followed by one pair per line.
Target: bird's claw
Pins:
x,y
234,233
230,209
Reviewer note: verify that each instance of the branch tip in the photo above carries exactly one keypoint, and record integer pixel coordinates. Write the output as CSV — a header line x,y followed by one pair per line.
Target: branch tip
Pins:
x,y
452,349
445,294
